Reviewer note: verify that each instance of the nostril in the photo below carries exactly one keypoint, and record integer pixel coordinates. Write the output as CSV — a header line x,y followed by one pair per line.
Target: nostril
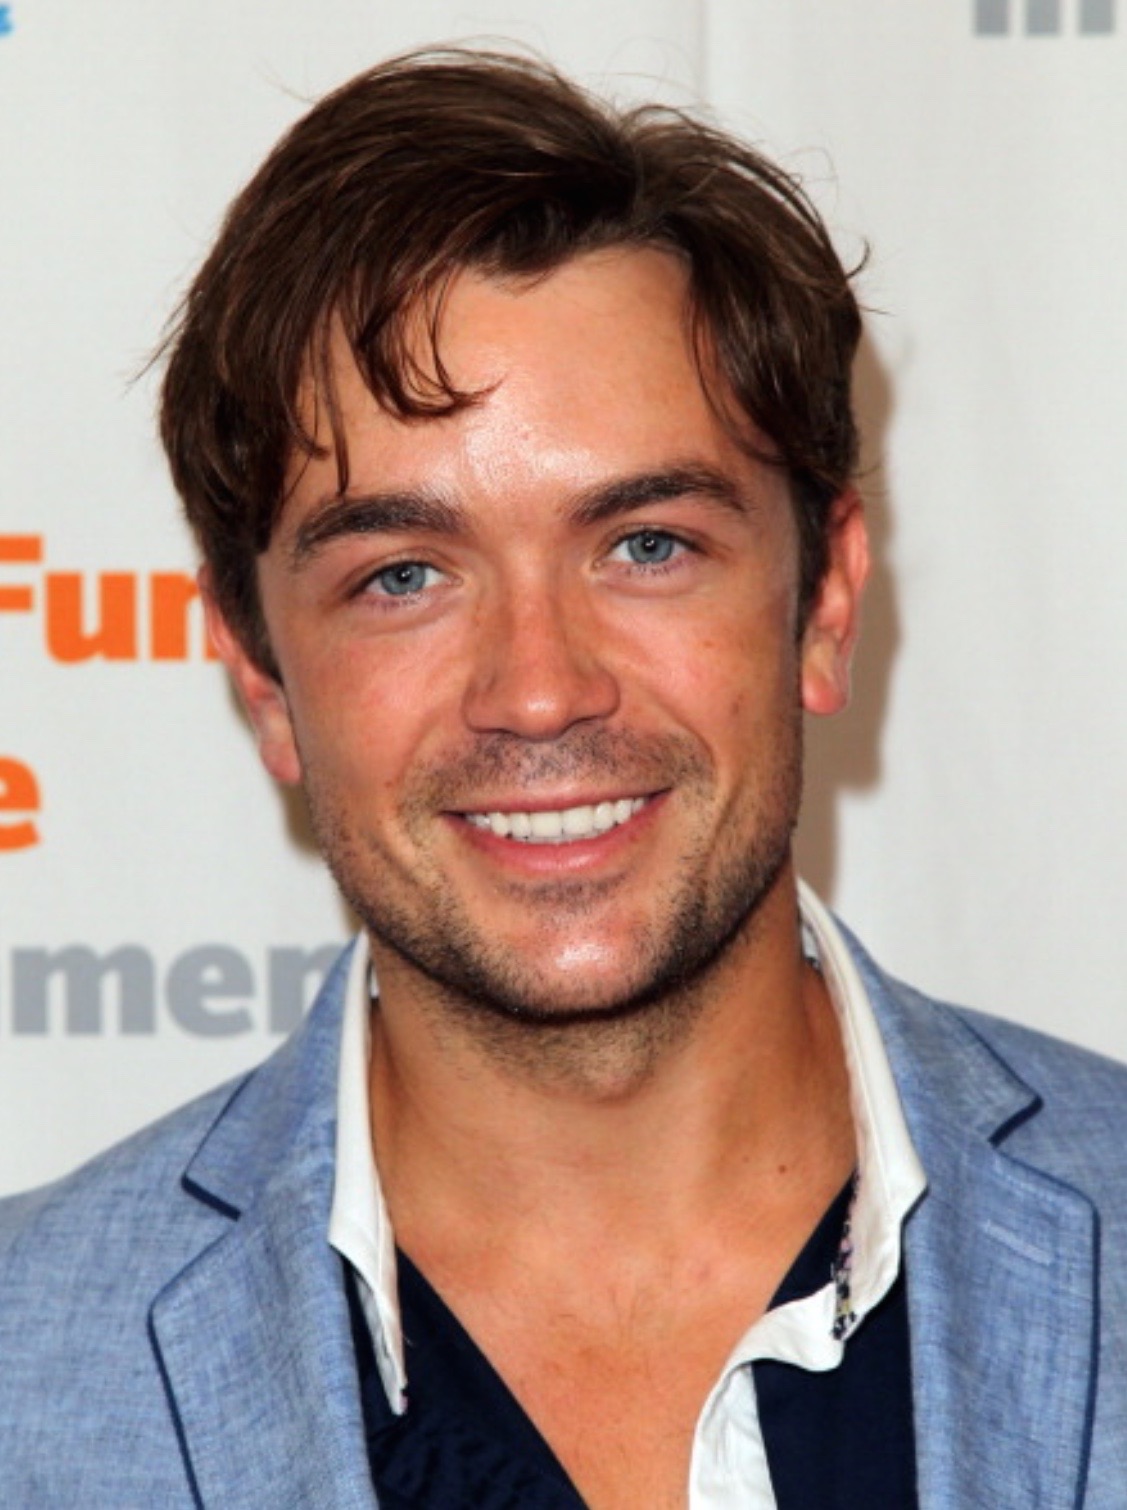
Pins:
x,y
537,684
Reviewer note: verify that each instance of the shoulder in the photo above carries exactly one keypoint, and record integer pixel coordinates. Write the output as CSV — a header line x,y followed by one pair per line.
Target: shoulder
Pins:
x,y
85,1263
1062,1071
141,1198
1059,1073
126,1201
1075,1124
964,1071
81,1261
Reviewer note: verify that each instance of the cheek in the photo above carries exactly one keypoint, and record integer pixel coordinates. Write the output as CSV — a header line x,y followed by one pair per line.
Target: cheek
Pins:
x,y
735,674
364,721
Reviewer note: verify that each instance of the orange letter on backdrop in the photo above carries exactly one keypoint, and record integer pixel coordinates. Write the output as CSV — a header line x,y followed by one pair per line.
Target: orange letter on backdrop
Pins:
x,y
19,793
27,549
172,596
114,638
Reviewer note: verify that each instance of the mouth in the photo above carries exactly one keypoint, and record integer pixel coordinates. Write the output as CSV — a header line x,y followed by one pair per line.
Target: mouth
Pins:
x,y
565,825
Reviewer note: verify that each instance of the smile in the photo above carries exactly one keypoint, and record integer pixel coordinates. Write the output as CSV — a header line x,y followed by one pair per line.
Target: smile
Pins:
x,y
565,825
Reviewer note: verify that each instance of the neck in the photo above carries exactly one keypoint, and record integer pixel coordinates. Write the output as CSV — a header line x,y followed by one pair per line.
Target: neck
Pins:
x,y
746,1091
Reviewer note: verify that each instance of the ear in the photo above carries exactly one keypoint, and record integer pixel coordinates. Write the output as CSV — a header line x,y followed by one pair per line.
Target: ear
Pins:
x,y
831,629
261,694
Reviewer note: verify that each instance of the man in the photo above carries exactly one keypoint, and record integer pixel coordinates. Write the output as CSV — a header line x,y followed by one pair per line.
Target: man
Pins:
x,y
516,436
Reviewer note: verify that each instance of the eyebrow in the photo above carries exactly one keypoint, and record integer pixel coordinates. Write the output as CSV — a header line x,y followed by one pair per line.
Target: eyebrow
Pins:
x,y
666,485
411,510
373,514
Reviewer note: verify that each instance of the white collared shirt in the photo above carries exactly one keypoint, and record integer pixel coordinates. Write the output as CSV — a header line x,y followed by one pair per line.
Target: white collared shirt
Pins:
x,y
729,1464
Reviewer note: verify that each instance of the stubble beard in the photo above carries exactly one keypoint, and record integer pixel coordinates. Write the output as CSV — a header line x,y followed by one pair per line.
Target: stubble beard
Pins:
x,y
472,984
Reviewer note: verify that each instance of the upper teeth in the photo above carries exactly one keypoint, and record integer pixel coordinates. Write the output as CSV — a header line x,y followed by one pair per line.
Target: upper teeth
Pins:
x,y
560,826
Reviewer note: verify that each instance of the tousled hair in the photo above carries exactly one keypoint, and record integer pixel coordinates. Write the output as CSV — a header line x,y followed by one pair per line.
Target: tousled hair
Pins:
x,y
438,162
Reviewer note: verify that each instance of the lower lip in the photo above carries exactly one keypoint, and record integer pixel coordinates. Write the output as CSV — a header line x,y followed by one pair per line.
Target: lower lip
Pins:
x,y
530,858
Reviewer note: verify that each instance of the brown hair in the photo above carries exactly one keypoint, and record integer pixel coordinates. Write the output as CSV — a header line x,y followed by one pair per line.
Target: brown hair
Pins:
x,y
440,161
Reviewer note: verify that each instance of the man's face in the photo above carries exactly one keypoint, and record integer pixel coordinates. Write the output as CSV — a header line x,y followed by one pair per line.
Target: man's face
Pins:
x,y
540,671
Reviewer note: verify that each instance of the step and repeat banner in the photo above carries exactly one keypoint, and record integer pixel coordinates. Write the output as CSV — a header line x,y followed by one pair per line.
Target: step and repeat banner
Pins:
x,y
163,918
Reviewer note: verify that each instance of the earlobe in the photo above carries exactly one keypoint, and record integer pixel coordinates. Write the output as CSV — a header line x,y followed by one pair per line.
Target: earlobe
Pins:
x,y
831,629
262,695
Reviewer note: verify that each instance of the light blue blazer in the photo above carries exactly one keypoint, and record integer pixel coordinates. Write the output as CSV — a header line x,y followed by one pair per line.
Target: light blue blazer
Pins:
x,y
174,1333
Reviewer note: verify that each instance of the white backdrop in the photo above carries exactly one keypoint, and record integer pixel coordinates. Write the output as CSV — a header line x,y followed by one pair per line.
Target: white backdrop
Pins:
x,y
158,904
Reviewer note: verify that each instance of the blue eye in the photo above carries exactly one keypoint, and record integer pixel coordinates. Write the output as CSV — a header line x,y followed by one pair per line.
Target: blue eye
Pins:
x,y
650,547
405,579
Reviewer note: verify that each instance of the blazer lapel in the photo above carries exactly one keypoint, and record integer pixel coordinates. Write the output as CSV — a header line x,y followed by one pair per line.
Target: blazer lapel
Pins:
x,y
1002,1278
253,1336
258,1360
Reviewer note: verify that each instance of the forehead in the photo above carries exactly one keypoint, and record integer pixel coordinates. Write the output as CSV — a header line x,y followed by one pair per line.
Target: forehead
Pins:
x,y
581,372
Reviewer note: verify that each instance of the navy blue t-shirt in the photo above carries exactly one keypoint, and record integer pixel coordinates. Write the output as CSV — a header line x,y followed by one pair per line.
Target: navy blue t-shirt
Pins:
x,y
841,1440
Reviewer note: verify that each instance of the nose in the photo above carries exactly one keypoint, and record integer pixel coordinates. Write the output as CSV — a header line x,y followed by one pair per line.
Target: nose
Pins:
x,y
539,665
